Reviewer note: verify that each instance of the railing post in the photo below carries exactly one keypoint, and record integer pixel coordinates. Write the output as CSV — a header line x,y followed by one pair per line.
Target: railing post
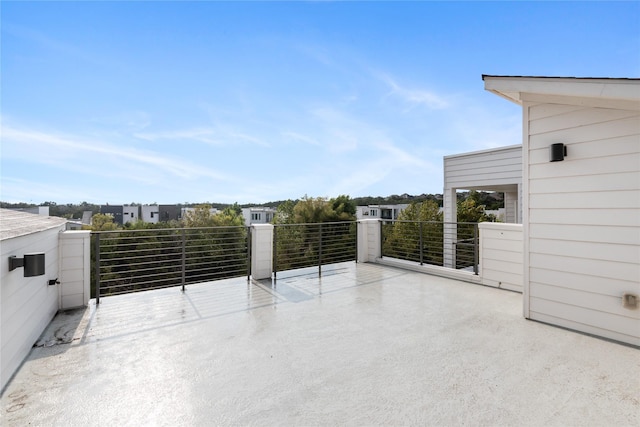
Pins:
x,y
421,245
248,228
184,259
320,251
356,225
381,240
275,252
475,249
97,267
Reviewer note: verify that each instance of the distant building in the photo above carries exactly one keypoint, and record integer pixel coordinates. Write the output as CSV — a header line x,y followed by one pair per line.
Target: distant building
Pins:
x,y
150,213
115,211
389,212
258,215
169,213
130,213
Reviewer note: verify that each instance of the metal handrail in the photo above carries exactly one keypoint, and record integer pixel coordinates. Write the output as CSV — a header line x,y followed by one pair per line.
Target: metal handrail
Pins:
x,y
313,244
137,260
424,242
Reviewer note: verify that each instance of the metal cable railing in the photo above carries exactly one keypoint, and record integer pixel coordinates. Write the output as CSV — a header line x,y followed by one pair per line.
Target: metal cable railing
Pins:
x,y
137,260
309,245
453,245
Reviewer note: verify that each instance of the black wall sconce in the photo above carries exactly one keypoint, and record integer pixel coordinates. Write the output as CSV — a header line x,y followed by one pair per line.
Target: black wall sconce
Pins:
x,y
557,152
33,264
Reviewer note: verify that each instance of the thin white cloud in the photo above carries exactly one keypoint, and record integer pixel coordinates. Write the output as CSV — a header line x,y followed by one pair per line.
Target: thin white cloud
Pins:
x,y
40,147
133,121
294,136
413,97
218,135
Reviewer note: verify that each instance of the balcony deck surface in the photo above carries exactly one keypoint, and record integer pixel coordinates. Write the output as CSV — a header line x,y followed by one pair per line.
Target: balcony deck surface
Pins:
x,y
363,345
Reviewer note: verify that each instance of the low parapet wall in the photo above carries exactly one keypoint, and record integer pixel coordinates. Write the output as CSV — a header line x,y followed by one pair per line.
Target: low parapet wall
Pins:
x,y
501,255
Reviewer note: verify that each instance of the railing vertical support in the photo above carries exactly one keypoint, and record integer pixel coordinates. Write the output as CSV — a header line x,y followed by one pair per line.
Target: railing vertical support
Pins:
x,y
421,245
357,242
320,251
275,252
184,259
381,239
248,254
97,267
476,251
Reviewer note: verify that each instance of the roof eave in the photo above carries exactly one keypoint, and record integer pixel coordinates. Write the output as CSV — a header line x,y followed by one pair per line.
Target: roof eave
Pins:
x,y
513,87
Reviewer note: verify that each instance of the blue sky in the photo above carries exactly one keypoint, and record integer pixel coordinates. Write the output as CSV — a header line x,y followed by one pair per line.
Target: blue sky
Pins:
x,y
172,102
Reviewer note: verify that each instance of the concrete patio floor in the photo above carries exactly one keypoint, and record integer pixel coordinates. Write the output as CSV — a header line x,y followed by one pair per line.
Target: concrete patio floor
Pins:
x,y
363,345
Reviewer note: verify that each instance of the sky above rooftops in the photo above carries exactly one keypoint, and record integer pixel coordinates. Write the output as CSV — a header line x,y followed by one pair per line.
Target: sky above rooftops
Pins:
x,y
172,102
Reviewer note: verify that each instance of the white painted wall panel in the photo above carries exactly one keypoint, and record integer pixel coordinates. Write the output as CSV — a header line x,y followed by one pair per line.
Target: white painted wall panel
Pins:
x,y
491,167
628,199
583,218
27,303
550,110
576,118
577,184
586,283
501,255
581,233
596,216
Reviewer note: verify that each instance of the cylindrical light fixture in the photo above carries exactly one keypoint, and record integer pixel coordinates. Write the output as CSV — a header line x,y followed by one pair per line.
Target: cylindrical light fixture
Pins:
x,y
557,152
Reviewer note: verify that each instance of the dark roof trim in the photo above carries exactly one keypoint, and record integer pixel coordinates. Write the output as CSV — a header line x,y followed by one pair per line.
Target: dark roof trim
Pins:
x,y
560,77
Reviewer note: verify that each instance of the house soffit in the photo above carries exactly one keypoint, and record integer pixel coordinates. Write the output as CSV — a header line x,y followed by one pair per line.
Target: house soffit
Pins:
x,y
596,92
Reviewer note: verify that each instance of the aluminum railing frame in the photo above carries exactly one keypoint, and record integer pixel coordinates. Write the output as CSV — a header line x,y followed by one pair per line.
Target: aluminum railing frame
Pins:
x,y
326,245
471,241
170,250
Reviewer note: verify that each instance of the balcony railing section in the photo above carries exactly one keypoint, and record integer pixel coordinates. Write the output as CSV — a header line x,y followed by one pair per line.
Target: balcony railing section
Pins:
x,y
453,245
308,245
138,260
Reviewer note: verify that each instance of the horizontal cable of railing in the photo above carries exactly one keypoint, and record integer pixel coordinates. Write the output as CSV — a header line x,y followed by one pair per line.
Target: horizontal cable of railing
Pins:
x,y
137,260
437,243
308,245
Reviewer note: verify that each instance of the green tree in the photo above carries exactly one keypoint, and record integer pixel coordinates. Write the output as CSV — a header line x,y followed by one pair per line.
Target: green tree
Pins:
x,y
284,213
419,224
102,222
471,209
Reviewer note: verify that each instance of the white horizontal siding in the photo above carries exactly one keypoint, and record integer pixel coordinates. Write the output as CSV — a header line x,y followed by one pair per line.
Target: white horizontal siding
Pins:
x,y
577,118
28,303
616,181
492,167
501,255
606,234
584,219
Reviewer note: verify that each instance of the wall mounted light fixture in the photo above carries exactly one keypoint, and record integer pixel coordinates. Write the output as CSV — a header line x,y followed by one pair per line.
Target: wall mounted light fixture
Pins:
x,y
33,264
557,152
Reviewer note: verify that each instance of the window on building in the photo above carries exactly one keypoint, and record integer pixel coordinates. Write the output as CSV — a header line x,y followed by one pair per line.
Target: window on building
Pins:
x,y
373,212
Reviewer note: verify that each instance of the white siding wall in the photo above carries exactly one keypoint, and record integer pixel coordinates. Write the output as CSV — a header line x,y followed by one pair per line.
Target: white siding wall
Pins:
x,y
27,303
496,167
583,215
369,249
75,264
501,255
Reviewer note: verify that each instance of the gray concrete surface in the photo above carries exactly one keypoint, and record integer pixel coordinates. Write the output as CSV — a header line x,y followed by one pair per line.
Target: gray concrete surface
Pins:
x,y
364,345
